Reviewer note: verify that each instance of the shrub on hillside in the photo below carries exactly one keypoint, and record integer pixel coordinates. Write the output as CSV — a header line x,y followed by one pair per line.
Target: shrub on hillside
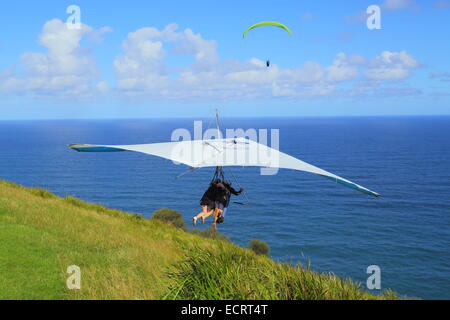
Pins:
x,y
259,247
170,216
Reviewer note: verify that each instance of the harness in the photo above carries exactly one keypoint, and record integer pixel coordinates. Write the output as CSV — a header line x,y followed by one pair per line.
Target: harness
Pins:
x,y
219,175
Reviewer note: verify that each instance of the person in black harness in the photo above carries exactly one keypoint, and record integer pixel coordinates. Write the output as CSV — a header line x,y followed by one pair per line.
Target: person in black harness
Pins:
x,y
207,202
222,200
215,201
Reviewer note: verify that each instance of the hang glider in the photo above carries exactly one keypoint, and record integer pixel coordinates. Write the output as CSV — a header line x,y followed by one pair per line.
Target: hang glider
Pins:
x,y
221,153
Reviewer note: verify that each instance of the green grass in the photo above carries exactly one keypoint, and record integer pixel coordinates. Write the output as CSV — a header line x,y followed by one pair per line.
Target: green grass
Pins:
x,y
124,256
233,273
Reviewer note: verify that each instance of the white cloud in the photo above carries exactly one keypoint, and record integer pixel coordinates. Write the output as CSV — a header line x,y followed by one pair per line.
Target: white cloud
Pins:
x,y
375,89
98,35
102,87
63,71
142,70
391,66
344,68
141,66
6,73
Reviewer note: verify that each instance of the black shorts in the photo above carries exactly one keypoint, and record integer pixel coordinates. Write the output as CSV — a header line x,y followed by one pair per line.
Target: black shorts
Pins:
x,y
205,202
219,206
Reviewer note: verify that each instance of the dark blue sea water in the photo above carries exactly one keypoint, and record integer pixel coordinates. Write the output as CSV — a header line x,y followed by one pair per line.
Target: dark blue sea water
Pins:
x,y
302,216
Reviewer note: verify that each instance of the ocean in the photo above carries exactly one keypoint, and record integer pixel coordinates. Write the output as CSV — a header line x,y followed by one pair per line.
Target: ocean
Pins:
x,y
303,217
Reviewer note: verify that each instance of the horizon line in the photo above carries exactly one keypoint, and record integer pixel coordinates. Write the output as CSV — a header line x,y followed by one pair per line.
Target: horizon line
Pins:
x,y
231,117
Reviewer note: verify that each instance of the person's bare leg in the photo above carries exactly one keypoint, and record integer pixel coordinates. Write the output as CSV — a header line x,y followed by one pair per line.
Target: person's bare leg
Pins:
x,y
200,215
216,215
207,214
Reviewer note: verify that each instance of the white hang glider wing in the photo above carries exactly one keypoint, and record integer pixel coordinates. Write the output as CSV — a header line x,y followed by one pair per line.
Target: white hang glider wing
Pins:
x,y
221,153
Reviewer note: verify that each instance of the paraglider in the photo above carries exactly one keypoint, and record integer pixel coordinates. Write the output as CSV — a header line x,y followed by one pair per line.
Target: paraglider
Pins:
x,y
267,23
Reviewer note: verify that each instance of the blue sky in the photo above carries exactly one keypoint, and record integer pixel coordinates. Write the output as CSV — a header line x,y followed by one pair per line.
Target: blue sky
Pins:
x,y
177,58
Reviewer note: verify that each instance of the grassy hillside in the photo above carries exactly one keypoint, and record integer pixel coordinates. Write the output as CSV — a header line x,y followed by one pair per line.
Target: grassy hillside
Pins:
x,y
123,256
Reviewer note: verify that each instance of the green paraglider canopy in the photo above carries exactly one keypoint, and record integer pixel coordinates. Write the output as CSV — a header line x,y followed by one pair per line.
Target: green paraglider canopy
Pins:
x,y
267,23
